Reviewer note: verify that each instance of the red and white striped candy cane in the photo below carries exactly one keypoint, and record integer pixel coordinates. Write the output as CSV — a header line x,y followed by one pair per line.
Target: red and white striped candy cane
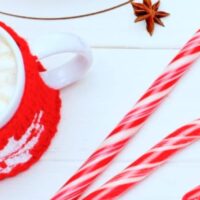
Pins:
x,y
131,123
193,195
146,164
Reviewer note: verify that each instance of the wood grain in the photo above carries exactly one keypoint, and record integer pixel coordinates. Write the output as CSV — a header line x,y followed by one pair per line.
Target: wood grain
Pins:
x,y
126,61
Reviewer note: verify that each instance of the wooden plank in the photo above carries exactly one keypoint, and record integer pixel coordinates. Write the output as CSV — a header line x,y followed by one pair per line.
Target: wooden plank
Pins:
x,y
118,78
56,8
115,28
44,179
93,107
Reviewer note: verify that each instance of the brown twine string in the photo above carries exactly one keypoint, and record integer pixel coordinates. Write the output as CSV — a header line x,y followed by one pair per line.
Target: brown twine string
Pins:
x,y
66,17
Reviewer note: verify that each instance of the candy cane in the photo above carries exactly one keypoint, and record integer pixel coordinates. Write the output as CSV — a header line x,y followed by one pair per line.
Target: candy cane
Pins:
x,y
193,195
131,123
146,164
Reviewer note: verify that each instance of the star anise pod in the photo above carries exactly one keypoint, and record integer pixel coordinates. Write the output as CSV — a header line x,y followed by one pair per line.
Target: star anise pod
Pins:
x,y
149,12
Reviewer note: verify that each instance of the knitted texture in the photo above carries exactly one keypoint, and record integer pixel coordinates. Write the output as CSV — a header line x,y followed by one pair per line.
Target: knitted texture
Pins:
x,y
28,134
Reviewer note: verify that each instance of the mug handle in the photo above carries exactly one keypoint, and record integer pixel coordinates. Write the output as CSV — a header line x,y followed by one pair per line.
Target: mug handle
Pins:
x,y
57,43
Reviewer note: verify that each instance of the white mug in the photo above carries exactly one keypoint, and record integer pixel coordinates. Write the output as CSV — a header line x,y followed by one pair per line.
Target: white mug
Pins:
x,y
57,78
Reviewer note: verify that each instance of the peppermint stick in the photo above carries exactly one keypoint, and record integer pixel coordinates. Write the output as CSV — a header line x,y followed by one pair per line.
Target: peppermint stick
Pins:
x,y
131,123
193,195
149,162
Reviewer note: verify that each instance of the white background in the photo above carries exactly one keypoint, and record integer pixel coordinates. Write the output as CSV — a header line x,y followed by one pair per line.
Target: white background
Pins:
x,y
126,61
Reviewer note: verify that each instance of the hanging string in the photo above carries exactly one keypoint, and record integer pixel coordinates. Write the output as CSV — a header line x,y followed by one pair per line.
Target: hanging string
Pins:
x,y
66,17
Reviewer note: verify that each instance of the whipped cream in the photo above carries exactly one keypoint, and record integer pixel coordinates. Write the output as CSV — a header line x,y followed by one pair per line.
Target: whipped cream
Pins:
x,y
8,75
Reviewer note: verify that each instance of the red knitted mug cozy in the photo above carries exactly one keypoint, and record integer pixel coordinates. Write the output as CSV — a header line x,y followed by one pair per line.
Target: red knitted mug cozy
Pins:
x,y
28,134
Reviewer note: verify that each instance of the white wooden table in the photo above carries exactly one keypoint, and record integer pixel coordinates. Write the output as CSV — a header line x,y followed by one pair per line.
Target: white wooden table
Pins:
x,y
126,61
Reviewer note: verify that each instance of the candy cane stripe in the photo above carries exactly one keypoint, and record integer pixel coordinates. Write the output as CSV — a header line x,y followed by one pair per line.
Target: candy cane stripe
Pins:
x,y
155,157
143,109
193,195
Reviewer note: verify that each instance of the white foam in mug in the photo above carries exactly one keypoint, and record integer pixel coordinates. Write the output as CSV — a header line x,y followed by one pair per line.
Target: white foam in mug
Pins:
x,y
12,73
11,76
8,75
